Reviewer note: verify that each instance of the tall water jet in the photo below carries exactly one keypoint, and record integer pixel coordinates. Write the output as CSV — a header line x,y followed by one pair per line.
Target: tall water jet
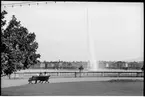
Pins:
x,y
92,65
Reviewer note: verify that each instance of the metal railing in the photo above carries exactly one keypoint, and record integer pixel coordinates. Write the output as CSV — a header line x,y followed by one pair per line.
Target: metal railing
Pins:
x,y
81,74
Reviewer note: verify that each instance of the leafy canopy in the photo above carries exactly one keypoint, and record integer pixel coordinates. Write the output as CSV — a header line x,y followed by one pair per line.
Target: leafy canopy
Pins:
x,y
19,46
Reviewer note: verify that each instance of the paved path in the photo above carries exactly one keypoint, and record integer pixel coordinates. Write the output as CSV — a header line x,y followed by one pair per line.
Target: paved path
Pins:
x,y
18,82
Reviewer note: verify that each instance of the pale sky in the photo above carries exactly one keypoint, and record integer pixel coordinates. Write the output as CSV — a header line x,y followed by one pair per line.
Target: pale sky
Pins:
x,y
61,29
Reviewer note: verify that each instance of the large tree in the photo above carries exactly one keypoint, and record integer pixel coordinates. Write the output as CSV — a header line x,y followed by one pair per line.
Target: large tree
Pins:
x,y
142,68
20,46
4,56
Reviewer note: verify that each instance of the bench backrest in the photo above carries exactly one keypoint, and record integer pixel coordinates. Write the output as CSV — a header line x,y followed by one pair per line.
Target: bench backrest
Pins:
x,y
40,77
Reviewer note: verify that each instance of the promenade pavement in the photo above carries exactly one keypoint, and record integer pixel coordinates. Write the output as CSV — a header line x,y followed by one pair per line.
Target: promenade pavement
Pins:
x,y
19,82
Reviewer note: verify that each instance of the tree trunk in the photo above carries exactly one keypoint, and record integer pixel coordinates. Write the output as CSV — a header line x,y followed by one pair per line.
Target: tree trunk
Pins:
x,y
9,76
80,73
15,75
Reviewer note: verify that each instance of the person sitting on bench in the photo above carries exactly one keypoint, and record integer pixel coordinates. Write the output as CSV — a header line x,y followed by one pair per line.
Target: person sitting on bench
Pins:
x,y
45,74
40,74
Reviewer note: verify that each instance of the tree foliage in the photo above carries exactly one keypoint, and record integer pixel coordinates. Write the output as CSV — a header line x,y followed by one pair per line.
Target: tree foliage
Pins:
x,y
81,68
19,46
142,68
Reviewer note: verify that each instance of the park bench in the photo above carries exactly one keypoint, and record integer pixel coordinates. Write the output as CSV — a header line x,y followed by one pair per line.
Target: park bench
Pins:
x,y
39,78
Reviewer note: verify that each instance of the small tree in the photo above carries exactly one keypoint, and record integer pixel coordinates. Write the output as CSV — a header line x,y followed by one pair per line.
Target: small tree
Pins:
x,y
80,69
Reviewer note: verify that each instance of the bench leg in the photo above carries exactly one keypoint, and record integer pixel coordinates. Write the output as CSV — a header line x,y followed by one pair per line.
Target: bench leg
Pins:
x,y
30,82
39,81
35,81
47,81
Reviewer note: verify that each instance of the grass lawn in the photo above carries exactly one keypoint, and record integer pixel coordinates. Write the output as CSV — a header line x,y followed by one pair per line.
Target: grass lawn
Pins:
x,y
88,88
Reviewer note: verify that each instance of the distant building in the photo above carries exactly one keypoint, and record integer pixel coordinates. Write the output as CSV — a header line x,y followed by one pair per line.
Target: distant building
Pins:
x,y
76,64
42,65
